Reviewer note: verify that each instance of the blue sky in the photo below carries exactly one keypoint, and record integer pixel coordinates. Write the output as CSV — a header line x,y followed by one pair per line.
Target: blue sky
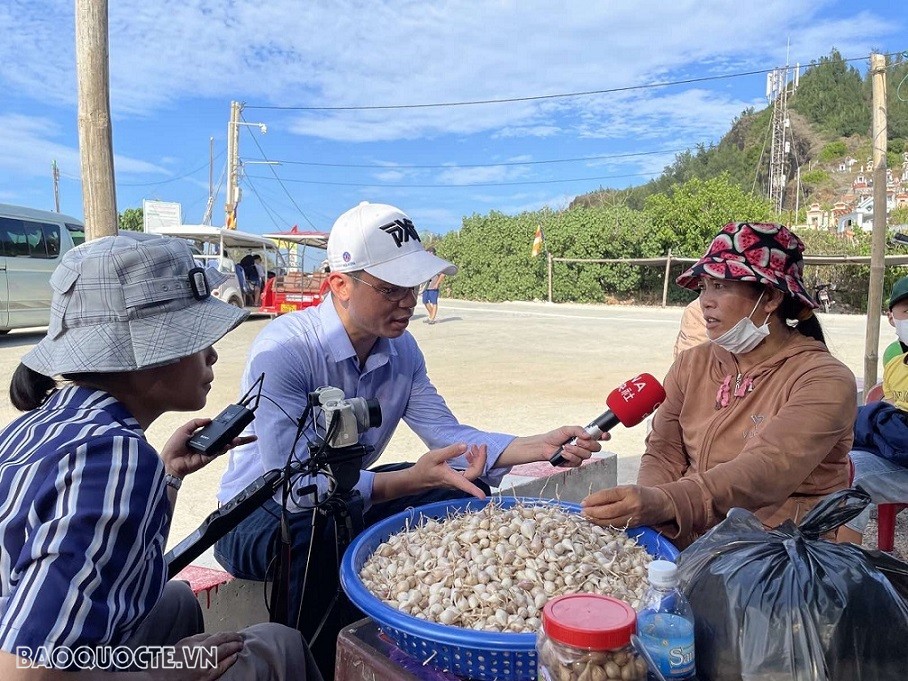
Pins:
x,y
176,65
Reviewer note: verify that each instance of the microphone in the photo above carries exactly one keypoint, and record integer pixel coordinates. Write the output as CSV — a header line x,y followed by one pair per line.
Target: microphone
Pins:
x,y
628,404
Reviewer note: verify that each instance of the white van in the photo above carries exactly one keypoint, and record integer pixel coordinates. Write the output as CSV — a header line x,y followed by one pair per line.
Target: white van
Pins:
x,y
31,245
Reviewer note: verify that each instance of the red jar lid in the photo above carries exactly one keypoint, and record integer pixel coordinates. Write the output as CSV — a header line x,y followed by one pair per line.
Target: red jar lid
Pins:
x,y
590,621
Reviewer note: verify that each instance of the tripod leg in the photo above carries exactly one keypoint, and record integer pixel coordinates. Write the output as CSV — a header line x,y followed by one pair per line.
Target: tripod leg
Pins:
x,y
280,601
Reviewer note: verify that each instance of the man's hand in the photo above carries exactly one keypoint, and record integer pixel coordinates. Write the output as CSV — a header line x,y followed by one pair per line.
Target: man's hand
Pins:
x,y
574,454
180,461
228,644
432,469
628,506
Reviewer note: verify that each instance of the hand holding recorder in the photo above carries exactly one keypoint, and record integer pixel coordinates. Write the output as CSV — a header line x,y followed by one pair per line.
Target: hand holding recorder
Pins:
x,y
628,404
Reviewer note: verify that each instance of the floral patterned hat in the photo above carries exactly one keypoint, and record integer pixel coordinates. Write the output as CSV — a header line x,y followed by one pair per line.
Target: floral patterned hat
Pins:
x,y
763,252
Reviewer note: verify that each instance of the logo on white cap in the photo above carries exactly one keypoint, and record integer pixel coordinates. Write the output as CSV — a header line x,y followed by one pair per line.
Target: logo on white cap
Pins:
x,y
402,230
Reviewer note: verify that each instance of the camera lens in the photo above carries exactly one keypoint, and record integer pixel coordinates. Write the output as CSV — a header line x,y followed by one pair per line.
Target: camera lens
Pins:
x,y
374,413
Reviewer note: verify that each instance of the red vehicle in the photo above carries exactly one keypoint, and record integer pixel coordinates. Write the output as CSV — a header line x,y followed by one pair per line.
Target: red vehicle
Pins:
x,y
297,289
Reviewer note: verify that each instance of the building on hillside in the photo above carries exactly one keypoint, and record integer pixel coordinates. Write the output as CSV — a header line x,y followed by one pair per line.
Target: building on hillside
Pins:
x,y
817,218
861,217
847,165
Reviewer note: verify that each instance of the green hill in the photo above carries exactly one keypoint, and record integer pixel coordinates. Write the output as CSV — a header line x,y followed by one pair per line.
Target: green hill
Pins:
x,y
830,116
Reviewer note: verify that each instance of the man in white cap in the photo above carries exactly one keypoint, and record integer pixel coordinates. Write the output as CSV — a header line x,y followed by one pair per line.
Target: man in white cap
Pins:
x,y
357,340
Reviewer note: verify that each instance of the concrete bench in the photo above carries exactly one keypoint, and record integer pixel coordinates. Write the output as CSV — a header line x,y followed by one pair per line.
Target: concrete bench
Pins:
x,y
229,604
543,480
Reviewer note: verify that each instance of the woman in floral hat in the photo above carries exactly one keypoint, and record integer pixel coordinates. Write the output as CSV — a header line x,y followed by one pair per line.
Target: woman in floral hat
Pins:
x,y
757,418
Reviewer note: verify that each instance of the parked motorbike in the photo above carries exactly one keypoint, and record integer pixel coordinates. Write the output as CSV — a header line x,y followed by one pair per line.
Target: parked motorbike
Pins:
x,y
821,293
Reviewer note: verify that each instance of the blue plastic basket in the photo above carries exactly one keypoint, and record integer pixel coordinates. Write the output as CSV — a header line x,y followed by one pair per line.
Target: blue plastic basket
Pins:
x,y
487,656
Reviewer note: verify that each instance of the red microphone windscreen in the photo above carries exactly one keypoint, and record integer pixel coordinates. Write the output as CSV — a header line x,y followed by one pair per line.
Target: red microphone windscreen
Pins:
x,y
634,400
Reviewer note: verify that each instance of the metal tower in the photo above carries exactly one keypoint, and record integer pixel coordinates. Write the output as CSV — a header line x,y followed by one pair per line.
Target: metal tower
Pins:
x,y
777,90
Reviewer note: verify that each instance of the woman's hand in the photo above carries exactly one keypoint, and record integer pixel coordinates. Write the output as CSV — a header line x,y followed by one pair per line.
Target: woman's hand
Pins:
x,y
574,454
432,469
180,461
628,506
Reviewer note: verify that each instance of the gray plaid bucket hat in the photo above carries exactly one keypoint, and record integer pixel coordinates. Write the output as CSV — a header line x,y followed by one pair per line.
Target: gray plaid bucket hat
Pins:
x,y
124,303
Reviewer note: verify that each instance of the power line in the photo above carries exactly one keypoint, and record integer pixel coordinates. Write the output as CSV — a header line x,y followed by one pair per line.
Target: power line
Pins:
x,y
264,205
478,165
533,98
172,179
463,185
277,198
292,200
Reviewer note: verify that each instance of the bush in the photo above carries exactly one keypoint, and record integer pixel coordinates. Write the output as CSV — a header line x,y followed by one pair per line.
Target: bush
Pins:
x,y
833,151
852,281
814,177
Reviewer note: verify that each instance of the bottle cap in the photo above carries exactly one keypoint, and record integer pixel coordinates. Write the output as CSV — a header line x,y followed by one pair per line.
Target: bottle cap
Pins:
x,y
663,573
589,621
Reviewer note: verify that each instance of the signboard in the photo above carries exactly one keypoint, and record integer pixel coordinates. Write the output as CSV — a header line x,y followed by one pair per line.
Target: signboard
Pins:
x,y
158,215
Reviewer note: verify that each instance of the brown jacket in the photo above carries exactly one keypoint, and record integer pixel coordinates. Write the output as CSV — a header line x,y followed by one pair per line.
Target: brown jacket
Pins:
x,y
776,449
693,328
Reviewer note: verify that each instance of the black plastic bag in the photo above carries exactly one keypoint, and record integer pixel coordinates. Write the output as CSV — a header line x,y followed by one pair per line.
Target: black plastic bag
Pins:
x,y
786,605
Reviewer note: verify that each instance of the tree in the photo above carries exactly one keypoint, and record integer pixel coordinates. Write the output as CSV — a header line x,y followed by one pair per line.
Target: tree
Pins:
x,y
131,219
688,217
833,96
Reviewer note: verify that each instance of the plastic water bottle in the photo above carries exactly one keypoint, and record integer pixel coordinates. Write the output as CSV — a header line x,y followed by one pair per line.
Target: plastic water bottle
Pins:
x,y
665,624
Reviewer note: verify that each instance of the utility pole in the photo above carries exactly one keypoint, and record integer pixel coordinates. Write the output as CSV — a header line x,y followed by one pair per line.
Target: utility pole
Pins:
x,y
99,199
233,164
55,171
777,91
209,207
878,238
234,193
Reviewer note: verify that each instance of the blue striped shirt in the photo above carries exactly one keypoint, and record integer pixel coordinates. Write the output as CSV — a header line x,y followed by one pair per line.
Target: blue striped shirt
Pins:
x,y
83,522
304,350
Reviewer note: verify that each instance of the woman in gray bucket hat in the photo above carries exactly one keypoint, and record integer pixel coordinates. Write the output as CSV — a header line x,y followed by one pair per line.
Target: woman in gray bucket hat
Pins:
x,y
86,502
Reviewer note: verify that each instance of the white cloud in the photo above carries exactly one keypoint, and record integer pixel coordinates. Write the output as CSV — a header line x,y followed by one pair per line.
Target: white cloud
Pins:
x,y
175,61
287,52
486,174
528,131
693,114
28,146
433,219
554,202
390,176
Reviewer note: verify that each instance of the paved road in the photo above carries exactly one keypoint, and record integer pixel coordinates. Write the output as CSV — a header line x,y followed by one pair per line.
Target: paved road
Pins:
x,y
522,368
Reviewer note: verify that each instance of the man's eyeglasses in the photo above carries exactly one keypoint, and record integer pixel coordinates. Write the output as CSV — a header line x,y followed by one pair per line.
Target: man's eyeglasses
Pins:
x,y
393,294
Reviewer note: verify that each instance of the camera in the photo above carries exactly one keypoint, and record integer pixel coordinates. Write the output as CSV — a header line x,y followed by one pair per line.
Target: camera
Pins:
x,y
344,418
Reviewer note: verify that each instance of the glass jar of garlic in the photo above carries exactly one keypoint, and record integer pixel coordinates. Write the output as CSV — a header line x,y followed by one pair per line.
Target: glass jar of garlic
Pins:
x,y
587,637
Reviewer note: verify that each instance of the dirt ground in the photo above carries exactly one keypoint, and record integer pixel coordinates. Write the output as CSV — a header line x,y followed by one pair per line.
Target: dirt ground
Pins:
x,y
522,368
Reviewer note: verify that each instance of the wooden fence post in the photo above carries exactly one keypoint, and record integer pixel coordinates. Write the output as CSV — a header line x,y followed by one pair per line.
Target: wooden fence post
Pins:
x,y
548,257
668,265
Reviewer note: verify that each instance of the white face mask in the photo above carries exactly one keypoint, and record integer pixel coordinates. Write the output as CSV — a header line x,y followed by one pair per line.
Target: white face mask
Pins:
x,y
745,335
901,330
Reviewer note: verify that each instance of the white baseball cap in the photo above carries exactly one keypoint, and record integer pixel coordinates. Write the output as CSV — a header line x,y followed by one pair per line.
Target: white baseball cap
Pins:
x,y
383,241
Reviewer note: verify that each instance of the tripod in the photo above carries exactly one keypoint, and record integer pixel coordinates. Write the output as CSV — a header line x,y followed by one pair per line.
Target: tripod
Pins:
x,y
343,465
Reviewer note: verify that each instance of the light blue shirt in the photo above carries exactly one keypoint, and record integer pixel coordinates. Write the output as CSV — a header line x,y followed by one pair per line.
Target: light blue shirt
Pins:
x,y
301,351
